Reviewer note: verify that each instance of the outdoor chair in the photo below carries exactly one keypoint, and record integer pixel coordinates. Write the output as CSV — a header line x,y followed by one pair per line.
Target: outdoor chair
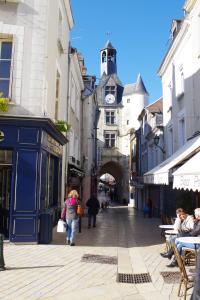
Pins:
x,y
189,256
186,280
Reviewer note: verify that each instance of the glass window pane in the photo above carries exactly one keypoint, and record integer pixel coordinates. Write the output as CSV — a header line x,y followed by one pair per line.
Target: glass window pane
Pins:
x,y
5,68
6,50
4,87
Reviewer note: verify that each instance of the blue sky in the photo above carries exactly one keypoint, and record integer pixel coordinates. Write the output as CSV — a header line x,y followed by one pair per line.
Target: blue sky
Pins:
x,y
139,30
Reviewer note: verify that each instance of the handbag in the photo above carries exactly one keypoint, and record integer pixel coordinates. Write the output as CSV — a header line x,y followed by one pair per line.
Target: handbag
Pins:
x,y
61,226
79,210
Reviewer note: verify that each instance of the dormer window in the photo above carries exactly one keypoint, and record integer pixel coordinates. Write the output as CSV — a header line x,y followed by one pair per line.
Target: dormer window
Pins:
x,y
110,90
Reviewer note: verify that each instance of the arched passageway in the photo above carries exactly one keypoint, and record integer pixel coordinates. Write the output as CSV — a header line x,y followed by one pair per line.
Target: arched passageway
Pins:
x,y
114,169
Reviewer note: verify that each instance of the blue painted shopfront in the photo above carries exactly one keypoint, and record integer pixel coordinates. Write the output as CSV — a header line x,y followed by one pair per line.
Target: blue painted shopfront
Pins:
x,y
30,177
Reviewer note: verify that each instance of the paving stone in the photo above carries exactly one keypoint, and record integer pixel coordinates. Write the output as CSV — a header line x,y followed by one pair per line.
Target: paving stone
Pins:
x,y
55,271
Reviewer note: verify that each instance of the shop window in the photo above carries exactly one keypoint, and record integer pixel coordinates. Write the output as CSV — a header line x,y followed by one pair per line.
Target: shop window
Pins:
x,y
52,182
5,66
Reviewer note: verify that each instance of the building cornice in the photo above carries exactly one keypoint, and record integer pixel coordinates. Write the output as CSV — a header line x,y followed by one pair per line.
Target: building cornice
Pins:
x,y
189,4
173,48
70,18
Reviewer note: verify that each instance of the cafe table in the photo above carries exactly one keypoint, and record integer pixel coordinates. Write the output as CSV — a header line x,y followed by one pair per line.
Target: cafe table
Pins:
x,y
167,226
171,231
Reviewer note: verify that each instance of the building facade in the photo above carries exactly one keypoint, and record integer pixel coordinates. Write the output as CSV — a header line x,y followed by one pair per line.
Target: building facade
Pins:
x,y
180,74
119,107
34,42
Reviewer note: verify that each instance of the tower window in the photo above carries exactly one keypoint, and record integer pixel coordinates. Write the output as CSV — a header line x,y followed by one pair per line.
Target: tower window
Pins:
x,y
128,100
127,122
110,90
110,117
110,139
104,57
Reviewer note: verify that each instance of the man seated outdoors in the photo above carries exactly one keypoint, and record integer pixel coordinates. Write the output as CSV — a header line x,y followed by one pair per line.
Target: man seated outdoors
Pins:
x,y
194,232
184,224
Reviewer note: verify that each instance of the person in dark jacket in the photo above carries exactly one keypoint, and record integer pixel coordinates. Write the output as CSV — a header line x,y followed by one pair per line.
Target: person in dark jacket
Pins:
x,y
93,209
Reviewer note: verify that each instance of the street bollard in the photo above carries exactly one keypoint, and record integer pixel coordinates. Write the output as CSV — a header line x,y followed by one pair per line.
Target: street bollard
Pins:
x,y
2,263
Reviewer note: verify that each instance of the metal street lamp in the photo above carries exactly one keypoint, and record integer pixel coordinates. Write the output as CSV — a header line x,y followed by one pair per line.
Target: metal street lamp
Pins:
x,y
156,143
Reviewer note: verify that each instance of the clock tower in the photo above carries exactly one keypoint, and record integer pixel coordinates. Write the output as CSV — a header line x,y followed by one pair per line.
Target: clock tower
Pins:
x,y
108,59
118,110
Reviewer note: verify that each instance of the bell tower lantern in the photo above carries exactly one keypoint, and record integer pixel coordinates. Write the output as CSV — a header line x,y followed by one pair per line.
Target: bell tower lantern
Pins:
x,y
108,60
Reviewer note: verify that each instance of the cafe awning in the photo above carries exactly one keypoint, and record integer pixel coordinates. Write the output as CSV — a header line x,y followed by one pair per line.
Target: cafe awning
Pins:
x,y
187,177
160,174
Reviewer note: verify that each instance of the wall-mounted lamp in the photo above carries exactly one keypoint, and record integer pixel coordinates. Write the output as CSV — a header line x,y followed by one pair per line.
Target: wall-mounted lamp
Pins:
x,y
156,143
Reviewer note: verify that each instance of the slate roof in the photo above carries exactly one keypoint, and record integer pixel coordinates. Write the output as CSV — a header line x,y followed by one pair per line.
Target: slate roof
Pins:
x,y
129,89
140,87
108,45
134,88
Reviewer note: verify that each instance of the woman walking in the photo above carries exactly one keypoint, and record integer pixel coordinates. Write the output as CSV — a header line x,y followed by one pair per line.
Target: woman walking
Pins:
x,y
69,213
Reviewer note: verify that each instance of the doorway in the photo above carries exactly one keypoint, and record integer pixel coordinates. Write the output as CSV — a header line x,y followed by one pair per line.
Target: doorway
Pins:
x,y
5,190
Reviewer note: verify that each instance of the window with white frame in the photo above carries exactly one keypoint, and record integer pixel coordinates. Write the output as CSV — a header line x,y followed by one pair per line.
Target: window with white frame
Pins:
x,y
110,139
181,129
180,82
170,141
128,100
5,66
73,94
57,94
110,117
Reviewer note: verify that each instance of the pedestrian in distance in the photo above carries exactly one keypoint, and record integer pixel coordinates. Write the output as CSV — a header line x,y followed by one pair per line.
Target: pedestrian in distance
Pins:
x,y
93,209
69,213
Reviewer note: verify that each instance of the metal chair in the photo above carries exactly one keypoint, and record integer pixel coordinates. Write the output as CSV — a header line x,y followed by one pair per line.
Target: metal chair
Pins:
x,y
186,280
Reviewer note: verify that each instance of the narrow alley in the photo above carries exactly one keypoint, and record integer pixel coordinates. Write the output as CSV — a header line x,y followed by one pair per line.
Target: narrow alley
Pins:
x,y
122,243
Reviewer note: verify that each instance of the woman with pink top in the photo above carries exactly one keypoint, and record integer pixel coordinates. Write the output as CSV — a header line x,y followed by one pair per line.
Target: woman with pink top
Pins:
x,y
69,213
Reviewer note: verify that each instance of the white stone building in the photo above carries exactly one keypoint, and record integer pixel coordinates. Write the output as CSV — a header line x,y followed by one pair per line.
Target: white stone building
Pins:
x,y
180,74
75,114
34,43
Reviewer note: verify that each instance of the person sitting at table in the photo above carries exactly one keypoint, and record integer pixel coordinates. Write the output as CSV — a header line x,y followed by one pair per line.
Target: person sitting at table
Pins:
x,y
185,224
194,232
176,226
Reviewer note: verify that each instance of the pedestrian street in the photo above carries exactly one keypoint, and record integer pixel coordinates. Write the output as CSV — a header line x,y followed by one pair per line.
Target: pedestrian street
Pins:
x,y
124,242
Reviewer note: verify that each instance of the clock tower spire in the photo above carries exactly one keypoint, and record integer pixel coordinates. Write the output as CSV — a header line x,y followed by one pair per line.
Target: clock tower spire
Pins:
x,y
108,59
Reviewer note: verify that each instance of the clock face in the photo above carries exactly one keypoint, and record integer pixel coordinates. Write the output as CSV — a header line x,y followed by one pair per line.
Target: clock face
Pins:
x,y
110,98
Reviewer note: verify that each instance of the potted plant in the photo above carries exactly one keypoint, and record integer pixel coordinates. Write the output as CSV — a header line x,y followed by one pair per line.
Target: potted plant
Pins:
x,y
3,103
62,126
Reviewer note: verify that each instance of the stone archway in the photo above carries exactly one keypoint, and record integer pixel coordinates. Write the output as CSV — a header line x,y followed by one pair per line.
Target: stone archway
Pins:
x,y
116,170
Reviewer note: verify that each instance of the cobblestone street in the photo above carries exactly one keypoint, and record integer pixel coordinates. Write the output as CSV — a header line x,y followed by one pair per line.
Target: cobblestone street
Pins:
x,y
58,271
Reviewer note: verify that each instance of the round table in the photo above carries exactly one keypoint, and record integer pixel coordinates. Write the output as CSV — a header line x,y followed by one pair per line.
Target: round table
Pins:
x,y
166,226
190,240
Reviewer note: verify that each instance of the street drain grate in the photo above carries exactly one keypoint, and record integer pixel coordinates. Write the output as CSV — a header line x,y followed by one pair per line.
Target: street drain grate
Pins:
x,y
134,278
100,259
171,277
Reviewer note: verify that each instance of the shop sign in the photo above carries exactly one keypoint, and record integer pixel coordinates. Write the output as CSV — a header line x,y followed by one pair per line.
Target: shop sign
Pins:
x,y
2,136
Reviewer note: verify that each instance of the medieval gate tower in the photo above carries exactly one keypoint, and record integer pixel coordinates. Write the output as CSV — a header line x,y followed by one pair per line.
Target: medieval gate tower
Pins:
x,y
119,107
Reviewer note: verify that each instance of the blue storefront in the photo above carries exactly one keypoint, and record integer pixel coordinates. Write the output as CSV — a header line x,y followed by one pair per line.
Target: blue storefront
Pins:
x,y
30,178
